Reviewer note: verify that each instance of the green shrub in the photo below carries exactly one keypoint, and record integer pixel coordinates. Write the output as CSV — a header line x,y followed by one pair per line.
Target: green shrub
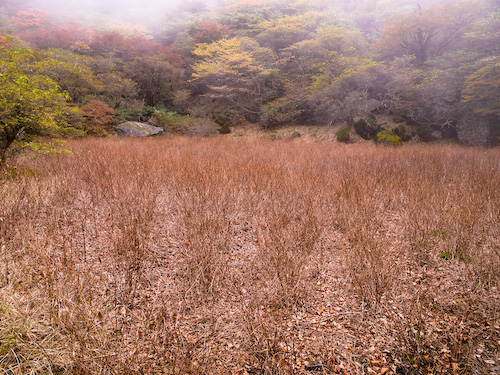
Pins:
x,y
439,233
280,112
129,112
174,123
343,135
165,120
147,112
272,136
69,132
13,173
446,256
388,137
227,116
47,147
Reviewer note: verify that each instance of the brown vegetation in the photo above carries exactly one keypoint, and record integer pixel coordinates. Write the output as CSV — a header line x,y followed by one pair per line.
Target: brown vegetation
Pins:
x,y
237,256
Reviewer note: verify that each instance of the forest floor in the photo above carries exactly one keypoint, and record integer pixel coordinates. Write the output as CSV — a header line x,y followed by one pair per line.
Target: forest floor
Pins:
x,y
243,255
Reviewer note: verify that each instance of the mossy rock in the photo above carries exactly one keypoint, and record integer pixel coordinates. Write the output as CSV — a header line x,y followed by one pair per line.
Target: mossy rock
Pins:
x,y
389,138
449,132
343,135
424,132
271,136
224,129
371,119
403,132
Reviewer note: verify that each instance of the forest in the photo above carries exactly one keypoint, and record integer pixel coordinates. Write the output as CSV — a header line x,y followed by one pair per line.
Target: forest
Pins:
x,y
428,71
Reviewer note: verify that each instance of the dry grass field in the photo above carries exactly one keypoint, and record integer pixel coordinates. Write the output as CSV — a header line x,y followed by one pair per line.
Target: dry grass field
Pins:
x,y
248,256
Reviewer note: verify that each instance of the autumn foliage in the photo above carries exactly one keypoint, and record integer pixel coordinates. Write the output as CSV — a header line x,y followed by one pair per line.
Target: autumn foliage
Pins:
x,y
282,62
4,42
98,117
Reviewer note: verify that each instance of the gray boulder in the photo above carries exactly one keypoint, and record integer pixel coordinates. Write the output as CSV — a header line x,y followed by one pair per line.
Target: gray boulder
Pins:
x,y
366,126
474,131
137,129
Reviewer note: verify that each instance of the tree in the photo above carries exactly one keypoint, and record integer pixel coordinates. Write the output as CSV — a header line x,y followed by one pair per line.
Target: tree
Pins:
x,y
116,87
208,32
4,41
484,37
70,73
155,76
99,117
108,44
30,19
309,67
482,90
244,17
235,70
428,33
349,86
307,60
438,89
29,102
51,36
283,32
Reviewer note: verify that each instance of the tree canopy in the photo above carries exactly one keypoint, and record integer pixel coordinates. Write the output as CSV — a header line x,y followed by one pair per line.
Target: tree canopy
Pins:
x,y
29,101
269,62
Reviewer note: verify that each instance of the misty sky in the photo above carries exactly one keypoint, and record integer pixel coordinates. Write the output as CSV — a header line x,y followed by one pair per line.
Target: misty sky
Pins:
x,y
150,13
135,11
105,6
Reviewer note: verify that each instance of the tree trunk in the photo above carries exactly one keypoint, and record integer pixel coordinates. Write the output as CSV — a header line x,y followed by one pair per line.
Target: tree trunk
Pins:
x,y
3,152
7,137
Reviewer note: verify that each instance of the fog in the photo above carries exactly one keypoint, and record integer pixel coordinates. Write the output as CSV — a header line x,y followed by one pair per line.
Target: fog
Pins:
x,y
148,12
152,13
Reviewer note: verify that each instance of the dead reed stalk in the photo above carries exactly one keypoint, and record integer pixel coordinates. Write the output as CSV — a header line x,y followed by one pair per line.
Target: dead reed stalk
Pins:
x,y
182,255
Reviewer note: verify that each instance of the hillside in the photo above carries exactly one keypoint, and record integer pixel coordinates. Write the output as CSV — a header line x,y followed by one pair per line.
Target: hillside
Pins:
x,y
424,72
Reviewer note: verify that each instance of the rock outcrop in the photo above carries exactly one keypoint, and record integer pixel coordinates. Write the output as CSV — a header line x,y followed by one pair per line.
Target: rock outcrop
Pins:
x,y
474,131
366,126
